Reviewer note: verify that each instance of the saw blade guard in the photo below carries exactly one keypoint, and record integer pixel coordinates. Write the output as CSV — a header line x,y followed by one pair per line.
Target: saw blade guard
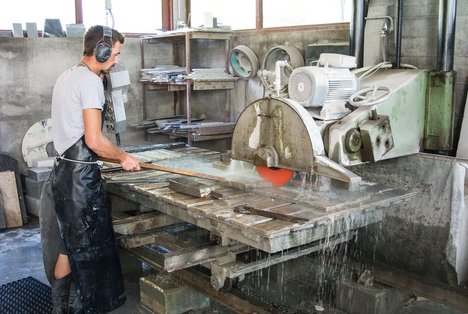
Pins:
x,y
277,133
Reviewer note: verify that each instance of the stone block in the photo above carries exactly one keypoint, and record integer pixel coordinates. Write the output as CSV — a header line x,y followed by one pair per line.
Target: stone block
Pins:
x,y
43,162
33,188
33,205
288,271
163,294
354,298
39,173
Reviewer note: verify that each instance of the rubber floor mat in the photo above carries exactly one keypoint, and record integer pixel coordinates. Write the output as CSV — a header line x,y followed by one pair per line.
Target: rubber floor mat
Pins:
x,y
27,295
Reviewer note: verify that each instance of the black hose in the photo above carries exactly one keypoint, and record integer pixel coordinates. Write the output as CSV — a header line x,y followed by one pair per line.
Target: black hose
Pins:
x,y
399,31
446,35
356,32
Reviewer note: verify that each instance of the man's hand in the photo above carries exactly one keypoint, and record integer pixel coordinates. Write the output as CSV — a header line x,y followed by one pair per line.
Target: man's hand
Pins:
x,y
98,143
129,163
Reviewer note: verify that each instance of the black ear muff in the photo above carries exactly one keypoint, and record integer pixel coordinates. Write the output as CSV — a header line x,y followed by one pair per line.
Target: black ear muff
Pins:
x,y
103,50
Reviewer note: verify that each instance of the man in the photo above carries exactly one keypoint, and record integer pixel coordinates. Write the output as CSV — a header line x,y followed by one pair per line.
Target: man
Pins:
x,y
89,254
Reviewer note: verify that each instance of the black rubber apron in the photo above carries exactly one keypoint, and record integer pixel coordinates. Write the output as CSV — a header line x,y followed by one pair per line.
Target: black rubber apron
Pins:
x,y
86,228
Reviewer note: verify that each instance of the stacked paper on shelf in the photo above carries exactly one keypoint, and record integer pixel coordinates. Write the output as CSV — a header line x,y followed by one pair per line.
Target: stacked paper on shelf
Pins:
x,y
163,74
211,74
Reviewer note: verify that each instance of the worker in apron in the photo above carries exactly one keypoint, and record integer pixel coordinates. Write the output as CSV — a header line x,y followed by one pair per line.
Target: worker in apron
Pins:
x,y
86,256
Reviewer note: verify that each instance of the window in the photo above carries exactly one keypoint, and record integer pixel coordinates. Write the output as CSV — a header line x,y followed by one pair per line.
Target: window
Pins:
x,y
239,14
136,16
33,11
280,13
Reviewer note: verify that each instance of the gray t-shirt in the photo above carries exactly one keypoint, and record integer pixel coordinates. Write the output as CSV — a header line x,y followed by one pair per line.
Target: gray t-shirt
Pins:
x,y
76,89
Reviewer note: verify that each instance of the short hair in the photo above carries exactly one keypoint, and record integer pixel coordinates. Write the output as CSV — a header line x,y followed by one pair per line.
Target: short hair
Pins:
x,y
95,34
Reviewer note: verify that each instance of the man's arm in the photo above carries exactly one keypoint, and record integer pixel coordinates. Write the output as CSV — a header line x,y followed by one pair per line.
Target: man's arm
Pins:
x,y
100,144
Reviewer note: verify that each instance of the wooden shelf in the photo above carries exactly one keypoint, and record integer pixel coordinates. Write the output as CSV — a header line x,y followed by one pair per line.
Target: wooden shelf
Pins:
x,y
184,37
169,86
196,85
180,35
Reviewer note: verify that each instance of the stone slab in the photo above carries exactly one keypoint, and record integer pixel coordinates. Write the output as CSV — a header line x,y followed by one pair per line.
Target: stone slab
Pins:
x,y
10,199
162,293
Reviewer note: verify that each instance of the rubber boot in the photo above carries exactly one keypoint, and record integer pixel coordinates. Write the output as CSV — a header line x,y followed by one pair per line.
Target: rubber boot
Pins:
x,y
60,294
74,301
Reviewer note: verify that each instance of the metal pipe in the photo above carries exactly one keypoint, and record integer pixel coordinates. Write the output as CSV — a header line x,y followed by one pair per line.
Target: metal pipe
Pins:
x,y
386,30
446,35
399,31
356,32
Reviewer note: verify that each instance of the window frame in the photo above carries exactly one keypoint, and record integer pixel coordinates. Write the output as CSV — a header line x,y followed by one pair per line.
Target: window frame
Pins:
x,y
259,23
168,20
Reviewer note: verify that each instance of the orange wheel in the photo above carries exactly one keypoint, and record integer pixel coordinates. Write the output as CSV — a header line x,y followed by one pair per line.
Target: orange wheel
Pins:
x,y
277,176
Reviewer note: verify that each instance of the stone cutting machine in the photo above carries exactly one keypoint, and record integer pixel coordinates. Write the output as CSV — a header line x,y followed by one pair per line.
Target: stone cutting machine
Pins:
x,y
334,119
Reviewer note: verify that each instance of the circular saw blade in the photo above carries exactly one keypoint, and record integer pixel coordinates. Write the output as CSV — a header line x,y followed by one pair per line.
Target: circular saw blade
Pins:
x,y
281,125
277,176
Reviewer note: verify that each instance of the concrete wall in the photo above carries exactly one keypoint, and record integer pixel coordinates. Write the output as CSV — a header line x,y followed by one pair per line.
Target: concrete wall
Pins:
x,y
425,235
29,68
248,91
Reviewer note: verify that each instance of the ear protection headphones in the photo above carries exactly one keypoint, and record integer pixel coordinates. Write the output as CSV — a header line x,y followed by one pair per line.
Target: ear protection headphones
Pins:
x,y
103,50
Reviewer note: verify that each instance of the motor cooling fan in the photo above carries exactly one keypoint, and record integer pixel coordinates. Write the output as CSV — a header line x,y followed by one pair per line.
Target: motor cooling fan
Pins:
x,y
326,87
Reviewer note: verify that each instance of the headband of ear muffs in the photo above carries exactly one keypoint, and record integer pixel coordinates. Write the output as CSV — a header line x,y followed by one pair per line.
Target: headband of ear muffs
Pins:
x,y
103,50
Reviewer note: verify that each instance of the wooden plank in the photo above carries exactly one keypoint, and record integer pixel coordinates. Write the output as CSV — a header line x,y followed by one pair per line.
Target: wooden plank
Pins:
x,y
174,198
189,257
2,215
223,215
151,186
143,222
150,237
209,35
194,201
263,203
245,221
208,85
184,201
248,210
233,202
192,186
203,210
10,199
176,88
225,193
298,210
158,192
147,199
277,227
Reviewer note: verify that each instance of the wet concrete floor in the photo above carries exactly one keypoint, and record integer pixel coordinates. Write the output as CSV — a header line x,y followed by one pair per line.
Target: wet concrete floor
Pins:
x,y
21,256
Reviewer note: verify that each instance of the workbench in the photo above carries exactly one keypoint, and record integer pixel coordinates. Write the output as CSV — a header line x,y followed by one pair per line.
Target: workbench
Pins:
x,y
235,214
